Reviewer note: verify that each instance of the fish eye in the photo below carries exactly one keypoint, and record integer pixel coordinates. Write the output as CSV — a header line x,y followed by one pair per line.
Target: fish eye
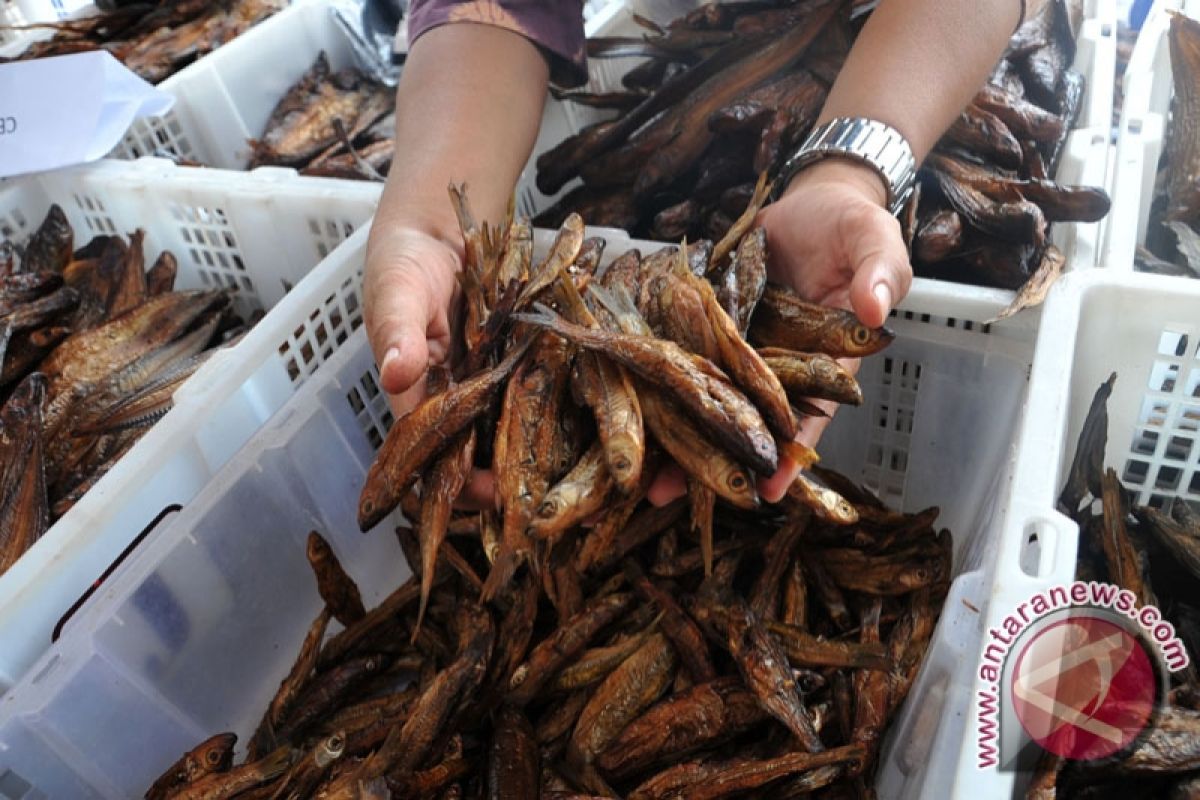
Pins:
x,y
622,464
214,757
737,482
862,335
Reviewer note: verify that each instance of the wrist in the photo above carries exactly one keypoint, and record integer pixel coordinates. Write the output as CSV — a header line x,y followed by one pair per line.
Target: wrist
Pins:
x,y
393,231
842,172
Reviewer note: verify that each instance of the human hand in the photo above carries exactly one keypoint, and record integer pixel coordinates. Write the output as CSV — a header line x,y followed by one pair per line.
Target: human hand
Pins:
x,y
830,238
410,295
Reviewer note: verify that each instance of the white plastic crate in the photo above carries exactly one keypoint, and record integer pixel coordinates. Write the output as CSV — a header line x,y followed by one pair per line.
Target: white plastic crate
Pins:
x,y
225,98
1096,322
193,632
255,233
1142,134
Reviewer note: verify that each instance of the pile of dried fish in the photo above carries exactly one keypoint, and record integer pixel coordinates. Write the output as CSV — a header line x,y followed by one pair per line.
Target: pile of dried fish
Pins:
x,y
154,40
332,124
92,346
1173,231
731,90
1155,554
578,641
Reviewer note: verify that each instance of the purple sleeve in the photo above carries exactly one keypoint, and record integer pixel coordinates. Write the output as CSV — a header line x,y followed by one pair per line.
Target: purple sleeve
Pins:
x,y
555,26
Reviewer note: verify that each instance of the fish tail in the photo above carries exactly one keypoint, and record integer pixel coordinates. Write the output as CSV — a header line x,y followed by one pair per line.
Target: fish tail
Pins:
x,y
501,574
541,316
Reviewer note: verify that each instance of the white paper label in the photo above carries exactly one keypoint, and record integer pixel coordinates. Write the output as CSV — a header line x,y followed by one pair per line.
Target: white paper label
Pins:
x,y
55,112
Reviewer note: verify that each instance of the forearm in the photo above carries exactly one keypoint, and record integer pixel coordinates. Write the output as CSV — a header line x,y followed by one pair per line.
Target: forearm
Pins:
x,y
467,111
915,66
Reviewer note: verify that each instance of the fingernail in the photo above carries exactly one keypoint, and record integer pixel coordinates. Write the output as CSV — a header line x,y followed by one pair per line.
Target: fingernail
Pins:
x,y
884,295
392,353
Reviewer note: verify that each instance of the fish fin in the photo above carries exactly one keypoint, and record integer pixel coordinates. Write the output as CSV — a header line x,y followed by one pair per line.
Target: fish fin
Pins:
x,y
275,764
802,454
620,304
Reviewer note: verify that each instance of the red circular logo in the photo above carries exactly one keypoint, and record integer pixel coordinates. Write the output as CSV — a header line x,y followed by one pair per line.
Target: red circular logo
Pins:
x,y
1084,687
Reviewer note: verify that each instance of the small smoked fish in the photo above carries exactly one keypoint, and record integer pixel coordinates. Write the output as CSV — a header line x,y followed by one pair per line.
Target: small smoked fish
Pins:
x,y
980,131
676,625
50,247
1087,467
825,503
523,455
326,691
556,651
762,664
694,382
701,502
514,771
290,687
782,319
741,361
1180,541
1183,152
575,498
43,311
302,124
691,448
1124,566
595,664
749,267
306,774
336,588
562,254
777,555
624,694
213,755
409,745
440,487
939,236
422,433
24,515
1026,120
815,376
700,717
621,532
741,227
888,574
749,775
160,278
870,686
361,633
223,785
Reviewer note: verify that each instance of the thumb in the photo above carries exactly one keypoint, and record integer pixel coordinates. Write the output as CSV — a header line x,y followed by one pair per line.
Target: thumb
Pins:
x,y
397,319
882,273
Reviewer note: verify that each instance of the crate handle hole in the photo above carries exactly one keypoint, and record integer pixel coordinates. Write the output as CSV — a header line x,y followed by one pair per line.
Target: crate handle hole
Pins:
x,y
1038,547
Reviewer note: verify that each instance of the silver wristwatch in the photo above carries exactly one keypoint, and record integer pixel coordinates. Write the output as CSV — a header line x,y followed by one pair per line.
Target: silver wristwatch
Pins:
x,y
879,146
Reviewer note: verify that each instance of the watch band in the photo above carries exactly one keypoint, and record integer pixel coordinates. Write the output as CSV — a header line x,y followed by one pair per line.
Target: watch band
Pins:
x,y
867,141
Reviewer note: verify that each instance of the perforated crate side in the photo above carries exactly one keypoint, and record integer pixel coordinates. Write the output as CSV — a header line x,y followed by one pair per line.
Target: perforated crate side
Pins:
x,y
1160,459
156,136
